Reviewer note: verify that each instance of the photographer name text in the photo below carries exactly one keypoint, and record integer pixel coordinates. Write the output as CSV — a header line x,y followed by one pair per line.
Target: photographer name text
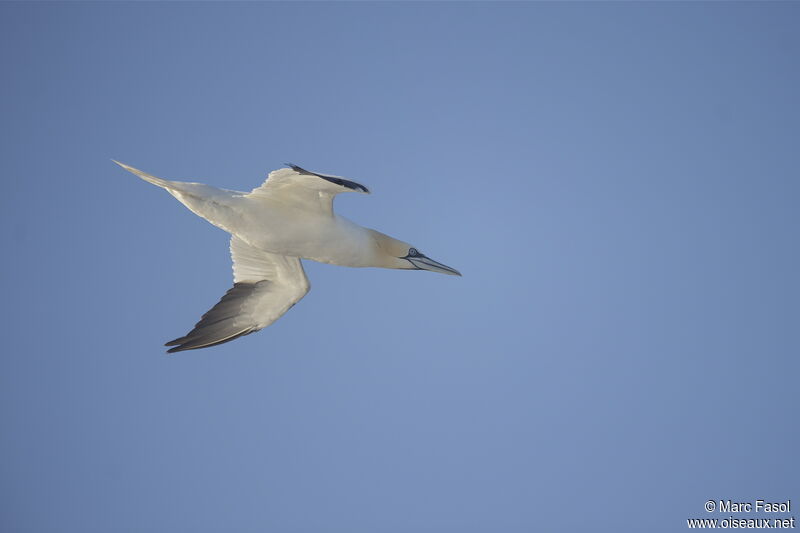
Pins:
x,y
759,506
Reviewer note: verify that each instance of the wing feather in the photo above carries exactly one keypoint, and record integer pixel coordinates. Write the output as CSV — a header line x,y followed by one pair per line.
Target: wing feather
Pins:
x,y
304,189
265,287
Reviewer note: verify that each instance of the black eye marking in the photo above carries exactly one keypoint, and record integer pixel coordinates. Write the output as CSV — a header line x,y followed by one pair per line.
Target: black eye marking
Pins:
x,y
412,252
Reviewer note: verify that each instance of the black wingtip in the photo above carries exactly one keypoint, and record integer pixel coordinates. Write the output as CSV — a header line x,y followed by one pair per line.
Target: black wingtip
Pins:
x,y
347,184
181,345
298,168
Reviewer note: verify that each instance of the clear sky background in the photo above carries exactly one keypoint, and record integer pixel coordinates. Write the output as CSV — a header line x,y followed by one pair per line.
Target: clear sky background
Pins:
x,y
618,183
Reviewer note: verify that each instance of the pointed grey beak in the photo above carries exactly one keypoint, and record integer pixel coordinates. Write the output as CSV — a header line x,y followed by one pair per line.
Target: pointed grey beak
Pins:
x,y
426,263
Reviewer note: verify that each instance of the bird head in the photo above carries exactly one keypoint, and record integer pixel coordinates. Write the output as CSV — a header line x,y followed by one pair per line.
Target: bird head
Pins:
x,y
393,253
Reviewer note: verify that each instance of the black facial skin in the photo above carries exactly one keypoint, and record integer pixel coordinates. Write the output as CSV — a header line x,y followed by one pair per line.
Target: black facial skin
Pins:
x,y
414,256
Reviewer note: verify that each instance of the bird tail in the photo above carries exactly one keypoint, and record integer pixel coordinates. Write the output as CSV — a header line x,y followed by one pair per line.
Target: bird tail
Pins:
x,y
148,177
204,201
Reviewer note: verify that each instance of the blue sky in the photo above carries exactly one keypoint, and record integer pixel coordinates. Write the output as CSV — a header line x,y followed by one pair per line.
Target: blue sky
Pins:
x,y
618,183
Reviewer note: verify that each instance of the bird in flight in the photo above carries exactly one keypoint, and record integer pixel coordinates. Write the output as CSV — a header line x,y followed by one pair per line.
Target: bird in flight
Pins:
x,y
288,218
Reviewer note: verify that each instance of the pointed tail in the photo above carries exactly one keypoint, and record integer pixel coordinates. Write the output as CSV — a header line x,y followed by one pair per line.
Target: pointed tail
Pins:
x,y
204,201
147,177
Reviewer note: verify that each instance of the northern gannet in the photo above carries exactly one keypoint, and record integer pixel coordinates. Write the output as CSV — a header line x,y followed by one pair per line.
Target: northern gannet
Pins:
x,y
288,218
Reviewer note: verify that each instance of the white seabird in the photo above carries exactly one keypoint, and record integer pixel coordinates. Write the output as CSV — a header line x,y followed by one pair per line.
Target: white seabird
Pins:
x,y
288,218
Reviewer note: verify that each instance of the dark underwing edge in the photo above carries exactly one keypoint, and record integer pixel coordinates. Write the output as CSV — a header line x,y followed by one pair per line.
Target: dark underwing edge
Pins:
x,y
352,185
216,343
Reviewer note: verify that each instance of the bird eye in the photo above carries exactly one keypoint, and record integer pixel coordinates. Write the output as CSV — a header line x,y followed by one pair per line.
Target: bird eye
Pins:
x,y
412,252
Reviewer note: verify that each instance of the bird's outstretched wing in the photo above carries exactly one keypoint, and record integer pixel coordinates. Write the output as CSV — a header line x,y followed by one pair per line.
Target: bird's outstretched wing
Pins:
x,y
265,286
304,189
